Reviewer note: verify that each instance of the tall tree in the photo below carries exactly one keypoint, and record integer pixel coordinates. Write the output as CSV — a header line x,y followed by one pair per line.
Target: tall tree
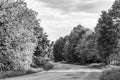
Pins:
x,y
105,36
86,48
108,32
73,39
17,34
58,49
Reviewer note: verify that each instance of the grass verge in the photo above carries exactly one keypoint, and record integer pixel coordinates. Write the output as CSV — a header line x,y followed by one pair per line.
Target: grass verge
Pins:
x,y
15,73
112,74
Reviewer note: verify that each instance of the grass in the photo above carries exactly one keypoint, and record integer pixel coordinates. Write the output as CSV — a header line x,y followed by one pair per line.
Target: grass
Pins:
x,y
15,73
113,74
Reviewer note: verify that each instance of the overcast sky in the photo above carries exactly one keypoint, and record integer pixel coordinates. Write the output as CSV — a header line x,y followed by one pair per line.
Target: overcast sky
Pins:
x,y
58,17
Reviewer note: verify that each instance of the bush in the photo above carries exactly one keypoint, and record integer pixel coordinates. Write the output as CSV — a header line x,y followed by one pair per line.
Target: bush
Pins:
x,y
116,63
38,62
48,66
115,59
113,74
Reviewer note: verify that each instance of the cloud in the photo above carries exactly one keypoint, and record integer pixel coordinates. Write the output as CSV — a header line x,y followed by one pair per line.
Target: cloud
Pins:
x,y
89,6
58,17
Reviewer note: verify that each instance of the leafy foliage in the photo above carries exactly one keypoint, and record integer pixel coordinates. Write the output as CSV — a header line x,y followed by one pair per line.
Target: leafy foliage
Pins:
x,y
108,30
43,44
86,49
58,49
38,62
42,47
17,34
48,66
78,47
70,48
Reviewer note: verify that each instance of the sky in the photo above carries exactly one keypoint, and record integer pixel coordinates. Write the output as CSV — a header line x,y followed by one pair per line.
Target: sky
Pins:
x,y
58,17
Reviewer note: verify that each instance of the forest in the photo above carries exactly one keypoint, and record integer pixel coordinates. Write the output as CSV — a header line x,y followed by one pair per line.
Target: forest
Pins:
x,y
24,44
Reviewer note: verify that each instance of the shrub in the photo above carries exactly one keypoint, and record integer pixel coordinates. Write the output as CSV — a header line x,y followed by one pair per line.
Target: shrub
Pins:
x,y
115,59
38,62
113,74
48,66
116,63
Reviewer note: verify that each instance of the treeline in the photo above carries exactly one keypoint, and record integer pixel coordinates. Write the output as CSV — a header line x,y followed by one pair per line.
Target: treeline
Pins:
x,y
77,47
85,46
21,37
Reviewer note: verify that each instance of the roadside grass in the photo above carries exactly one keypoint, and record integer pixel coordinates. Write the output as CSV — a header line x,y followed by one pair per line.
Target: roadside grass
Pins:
x,y
15,73
111,74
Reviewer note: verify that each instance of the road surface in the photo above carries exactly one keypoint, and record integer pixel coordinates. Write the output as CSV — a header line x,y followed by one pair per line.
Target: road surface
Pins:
x,y
71,73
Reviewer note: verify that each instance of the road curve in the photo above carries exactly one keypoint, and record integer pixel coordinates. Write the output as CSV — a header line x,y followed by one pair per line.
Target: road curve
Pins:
x,y
63,72
71,74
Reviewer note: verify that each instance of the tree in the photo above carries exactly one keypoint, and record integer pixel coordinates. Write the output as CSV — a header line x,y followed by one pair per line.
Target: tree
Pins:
x,y
18,37
58,49
43,44
71,44
42,48
108,32
80,46
50,50
86,48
